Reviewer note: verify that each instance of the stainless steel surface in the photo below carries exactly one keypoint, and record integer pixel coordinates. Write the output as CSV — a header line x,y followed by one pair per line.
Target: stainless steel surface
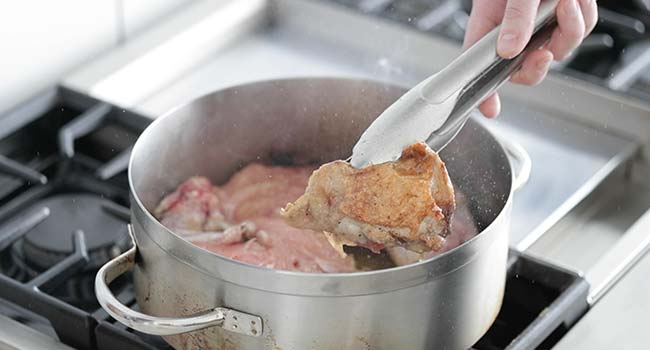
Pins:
x,y
632,247
619,320
230,320
313,120
438,107
569,162
521,159
604,236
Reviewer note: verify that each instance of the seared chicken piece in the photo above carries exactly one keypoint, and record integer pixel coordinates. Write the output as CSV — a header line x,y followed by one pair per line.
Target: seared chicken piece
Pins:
x,y
405,203
463,228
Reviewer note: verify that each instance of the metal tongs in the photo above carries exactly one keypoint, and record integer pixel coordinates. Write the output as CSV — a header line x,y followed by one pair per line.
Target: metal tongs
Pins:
x,y
436,109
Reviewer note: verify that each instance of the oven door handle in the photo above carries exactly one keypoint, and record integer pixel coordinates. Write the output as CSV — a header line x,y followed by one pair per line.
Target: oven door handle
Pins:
x,y
228,319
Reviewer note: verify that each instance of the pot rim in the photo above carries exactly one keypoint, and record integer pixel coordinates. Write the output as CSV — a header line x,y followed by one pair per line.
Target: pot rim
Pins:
x,y
206,254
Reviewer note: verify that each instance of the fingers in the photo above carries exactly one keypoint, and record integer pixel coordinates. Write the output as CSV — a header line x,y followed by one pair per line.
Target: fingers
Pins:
x,y
491,107
485,16
571,29
534,68
589,11
517,27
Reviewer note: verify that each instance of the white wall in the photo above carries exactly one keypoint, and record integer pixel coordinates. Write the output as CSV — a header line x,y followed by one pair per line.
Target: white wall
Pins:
x,y
139,14
41,40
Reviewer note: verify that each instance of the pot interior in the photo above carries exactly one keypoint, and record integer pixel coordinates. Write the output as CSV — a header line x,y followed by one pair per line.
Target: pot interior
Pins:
x,y
294,122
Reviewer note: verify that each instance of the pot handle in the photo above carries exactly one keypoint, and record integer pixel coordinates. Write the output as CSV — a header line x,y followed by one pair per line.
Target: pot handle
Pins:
x,y
522,160
231,320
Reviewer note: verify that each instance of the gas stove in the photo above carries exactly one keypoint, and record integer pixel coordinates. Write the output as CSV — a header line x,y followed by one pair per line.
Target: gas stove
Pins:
x,y
64,213
64,154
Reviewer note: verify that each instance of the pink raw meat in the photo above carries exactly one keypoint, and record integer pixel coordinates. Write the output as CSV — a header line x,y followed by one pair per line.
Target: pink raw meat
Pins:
x,y
259,190
254,195
279,246
194,206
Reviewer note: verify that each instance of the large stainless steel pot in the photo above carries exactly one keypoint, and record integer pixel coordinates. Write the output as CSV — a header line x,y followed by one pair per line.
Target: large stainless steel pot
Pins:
x,y
190,295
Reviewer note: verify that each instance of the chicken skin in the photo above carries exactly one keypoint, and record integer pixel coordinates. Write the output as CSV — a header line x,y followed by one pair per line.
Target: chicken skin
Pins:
x,y
406,203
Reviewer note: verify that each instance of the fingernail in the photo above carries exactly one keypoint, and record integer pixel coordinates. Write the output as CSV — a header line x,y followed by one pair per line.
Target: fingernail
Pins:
x,y
507,43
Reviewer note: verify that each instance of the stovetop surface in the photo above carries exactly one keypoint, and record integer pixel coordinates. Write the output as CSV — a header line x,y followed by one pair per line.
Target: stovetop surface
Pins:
x,y
616,54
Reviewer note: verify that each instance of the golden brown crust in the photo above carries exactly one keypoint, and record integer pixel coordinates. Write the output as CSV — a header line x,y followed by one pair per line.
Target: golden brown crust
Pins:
x,y
406,201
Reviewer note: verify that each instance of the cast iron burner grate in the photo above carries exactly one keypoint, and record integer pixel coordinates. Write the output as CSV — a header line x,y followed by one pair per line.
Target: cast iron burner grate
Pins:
x,y
63,191
62,174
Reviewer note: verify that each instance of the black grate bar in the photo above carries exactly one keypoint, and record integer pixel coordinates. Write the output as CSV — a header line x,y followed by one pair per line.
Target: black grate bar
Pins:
x,y
73,326
27,112
110,336
115,166
620,21
95,185
80,126
60,272
21,225
117,211
594,43
14,168
439,15
24,199
625,76
374,5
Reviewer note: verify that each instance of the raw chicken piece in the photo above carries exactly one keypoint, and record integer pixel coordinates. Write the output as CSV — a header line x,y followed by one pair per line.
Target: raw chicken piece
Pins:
x,y
281,247
260,190
194,206
405,203
249,228
233,234
463,228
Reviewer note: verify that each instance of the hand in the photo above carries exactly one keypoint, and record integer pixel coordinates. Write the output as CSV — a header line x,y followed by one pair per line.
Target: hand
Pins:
x,y
576,19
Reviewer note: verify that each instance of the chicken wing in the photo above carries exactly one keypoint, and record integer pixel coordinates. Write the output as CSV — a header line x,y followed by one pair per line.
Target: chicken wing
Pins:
x,y
405,203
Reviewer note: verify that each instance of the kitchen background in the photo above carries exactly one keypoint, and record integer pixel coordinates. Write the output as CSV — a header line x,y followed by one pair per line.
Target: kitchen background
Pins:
x,y
44,40
82,64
